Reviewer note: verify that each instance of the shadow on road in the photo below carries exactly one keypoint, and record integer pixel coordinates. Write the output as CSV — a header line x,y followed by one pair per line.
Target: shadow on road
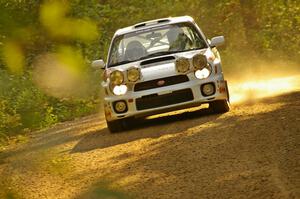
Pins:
x,y
145,128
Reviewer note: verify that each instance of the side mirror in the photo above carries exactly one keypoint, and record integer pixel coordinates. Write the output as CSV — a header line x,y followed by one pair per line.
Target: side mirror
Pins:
x,y
98,64
217,41
209,41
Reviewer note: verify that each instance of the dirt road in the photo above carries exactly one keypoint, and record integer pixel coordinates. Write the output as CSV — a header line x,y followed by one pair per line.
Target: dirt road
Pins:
x,y
250,152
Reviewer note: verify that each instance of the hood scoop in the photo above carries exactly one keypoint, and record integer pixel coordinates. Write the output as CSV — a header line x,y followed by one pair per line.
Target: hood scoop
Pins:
x,y
150,62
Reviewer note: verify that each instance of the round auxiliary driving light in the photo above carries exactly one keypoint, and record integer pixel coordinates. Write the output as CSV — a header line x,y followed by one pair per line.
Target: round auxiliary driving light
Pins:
x,y
208,89
116,77
182,65
119,89
199,61
120,107
133,74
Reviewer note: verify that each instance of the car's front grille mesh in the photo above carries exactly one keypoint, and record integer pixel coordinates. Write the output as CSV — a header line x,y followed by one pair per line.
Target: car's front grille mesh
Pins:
x,y
167,81
155,101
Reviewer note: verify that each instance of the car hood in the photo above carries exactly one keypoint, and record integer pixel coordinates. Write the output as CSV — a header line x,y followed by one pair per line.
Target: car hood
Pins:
x,y
158,67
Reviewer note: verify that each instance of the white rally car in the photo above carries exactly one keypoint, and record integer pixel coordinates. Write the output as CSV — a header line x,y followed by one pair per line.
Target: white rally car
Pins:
x,y
159,66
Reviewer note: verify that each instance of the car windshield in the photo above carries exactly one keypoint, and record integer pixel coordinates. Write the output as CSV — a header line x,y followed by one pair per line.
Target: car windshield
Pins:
x,y
154,42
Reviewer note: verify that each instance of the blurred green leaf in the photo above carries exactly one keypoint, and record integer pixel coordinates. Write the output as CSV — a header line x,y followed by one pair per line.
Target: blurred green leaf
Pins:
x,y
13,57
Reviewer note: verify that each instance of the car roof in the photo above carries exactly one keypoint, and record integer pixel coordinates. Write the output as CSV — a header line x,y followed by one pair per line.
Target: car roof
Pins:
x,y
154,23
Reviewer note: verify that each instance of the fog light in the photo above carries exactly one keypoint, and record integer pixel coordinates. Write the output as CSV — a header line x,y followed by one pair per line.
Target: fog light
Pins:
x,y
208,89
133,74
116,77
199,61
182,65
120,106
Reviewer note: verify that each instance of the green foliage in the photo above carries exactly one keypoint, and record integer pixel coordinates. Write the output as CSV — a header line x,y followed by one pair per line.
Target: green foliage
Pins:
x,y
23,105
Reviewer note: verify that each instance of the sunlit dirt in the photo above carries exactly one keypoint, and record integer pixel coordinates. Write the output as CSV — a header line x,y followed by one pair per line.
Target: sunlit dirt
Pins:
x,y
252,89
249,151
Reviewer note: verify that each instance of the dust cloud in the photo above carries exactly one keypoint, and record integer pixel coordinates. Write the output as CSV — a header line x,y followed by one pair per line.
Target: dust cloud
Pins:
x,y
58,78
264,80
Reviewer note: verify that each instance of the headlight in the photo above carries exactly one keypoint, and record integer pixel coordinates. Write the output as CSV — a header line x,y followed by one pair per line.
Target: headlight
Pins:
x,y
119,89
203,73
199,61
182,65
133,74
116,77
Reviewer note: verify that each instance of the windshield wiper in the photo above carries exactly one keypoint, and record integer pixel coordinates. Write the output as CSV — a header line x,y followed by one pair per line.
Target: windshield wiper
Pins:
x,y
119,63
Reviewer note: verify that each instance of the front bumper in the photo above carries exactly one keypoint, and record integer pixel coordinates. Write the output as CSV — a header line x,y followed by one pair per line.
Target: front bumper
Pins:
x,y
166,94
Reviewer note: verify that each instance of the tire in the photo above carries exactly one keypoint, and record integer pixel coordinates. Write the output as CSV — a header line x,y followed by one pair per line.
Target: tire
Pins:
x,y
220,106
115,126
119,125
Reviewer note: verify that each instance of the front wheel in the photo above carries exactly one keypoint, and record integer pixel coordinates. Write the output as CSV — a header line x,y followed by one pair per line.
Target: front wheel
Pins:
x,y
119,125
219,106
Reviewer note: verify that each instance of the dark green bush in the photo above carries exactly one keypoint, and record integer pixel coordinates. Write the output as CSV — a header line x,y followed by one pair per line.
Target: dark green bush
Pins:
x,y
23,105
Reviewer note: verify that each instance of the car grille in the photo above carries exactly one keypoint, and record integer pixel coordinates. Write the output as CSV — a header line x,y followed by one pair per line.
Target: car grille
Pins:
x,y
155,101
155,83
